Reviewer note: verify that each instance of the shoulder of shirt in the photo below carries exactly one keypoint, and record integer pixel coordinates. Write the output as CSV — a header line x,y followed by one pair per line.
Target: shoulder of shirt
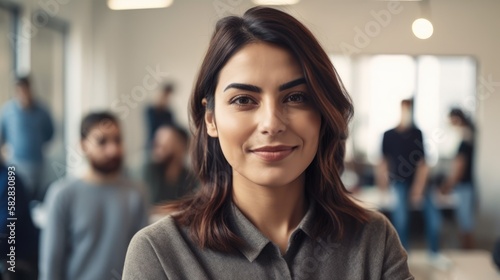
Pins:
x,y
377,223
61,190
135,186
390,132
162,233
8,106
64,184
164,225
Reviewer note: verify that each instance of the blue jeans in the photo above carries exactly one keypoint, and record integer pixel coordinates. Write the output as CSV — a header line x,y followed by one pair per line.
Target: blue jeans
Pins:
x,y
464,211
401,212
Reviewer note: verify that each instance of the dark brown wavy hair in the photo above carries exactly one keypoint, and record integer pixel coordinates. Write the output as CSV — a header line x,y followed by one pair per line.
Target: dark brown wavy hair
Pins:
x,y
205,212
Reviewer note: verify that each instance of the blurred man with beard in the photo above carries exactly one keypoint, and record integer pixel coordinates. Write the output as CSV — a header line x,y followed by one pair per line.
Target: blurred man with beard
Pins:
x,y
90,220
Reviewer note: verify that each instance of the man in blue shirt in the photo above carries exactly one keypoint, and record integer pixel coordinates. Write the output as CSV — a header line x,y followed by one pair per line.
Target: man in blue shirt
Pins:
x,y
25,127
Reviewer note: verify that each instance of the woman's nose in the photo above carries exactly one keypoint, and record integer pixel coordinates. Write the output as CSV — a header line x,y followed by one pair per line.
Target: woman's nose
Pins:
x,y
272,119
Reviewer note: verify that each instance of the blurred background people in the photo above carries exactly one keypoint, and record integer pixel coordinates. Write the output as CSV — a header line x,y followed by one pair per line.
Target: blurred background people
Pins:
x,y
90,220
159,114
26,126
404,169
460,179
26,235
166,174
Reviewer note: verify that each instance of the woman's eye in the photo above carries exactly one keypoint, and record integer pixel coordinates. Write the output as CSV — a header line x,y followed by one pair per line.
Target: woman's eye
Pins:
x,y
242,100
296,98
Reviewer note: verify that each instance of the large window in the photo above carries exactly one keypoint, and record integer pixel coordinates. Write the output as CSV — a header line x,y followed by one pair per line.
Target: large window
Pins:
x,y
377,84
44,61
47,70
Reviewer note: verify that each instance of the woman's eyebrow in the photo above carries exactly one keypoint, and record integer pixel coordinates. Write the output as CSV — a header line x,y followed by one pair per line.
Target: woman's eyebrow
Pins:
x,y
245,87
292,84
257,89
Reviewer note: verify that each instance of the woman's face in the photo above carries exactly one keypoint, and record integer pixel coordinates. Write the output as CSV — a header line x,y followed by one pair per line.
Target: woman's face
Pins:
x,y
267,127
455,121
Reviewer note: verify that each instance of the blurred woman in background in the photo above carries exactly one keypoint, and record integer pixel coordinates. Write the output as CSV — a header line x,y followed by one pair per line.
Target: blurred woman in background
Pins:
x,y
460,180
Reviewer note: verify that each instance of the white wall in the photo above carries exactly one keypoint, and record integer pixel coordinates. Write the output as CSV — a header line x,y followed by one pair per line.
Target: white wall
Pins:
x,y
111,51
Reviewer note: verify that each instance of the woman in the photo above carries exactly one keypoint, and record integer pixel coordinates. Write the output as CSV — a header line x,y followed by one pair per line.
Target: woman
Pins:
x,y
270,121
460,179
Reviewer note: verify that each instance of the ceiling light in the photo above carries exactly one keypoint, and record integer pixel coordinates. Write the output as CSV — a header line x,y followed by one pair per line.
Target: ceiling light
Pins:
x,y
276,2
422,28
138,4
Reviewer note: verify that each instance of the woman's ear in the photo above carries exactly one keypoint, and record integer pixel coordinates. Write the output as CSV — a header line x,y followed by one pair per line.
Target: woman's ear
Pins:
x,y
210,120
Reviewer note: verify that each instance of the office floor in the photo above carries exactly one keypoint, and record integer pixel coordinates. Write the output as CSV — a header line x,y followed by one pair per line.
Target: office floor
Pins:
x,y
466,265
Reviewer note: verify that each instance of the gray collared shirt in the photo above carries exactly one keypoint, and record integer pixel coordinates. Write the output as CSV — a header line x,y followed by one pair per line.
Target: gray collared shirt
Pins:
x,y
165,251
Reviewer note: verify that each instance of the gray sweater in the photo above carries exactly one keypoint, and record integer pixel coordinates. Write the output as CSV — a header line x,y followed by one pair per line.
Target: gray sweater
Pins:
x,y
89,228
372,251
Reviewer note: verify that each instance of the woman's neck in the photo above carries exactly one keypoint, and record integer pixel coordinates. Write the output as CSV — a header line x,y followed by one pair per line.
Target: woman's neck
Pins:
x,y
275,211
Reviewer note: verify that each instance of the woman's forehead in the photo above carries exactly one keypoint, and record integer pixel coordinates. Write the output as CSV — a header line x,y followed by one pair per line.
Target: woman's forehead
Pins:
x,y
260,63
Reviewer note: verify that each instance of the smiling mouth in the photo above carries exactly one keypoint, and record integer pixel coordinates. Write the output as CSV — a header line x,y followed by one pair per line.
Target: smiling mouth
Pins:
x,y
273,153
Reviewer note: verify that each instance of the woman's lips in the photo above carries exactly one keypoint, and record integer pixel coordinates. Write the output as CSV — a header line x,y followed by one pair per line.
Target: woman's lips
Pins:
x,y
273,153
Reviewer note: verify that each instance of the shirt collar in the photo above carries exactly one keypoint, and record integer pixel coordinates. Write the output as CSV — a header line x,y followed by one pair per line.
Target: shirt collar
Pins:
x,y
254,240
306,225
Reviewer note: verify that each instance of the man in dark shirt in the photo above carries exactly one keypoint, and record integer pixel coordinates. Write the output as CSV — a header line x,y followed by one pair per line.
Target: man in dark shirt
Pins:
x,y
404,151
159,113
403,168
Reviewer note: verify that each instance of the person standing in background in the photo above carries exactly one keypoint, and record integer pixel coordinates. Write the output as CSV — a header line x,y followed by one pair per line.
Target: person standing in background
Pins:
x,y
460,179
166,174
403,168
26,127
159,113
91,220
